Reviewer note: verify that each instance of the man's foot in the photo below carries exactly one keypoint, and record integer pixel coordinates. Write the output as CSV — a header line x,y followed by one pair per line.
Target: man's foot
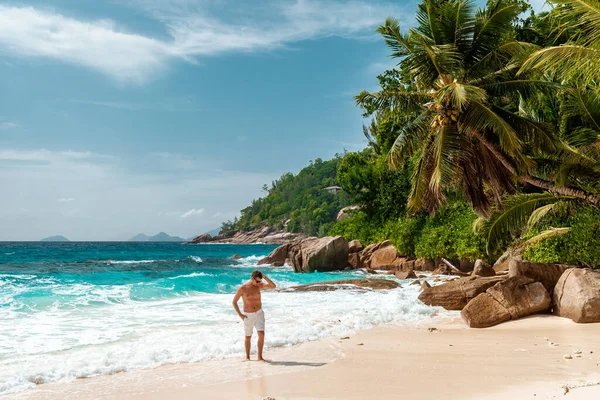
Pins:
x,y
262,359
245,360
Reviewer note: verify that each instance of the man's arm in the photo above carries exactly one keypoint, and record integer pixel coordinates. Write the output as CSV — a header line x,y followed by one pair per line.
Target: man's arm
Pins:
x,y
236,298
269,284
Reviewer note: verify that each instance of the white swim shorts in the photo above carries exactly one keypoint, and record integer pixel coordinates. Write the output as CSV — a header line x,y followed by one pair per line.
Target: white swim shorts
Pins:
x,y
255,319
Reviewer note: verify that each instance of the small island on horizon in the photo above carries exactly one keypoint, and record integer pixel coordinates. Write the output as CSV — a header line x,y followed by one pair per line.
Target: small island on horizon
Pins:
x,y
160,237
57,238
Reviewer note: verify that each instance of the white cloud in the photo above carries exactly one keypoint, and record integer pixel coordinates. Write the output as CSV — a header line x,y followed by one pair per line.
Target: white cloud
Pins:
x,y
106,47
193,212
65,199
99,45
7,125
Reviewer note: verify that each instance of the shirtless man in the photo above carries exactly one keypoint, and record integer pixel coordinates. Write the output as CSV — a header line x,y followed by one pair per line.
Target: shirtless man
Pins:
x,y
253,313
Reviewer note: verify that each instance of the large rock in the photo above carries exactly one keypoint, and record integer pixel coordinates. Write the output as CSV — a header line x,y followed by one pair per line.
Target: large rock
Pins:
x,y
263,234
375,284
424,264
407,274
355,246
277,257
514,298
484,311
369,250
354,260
320,254
466,265
204,238
483,269
346,212
454,295
383,256
577,295
444,269
547,274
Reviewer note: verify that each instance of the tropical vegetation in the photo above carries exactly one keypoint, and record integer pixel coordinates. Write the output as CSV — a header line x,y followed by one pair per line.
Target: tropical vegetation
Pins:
x,y
485,136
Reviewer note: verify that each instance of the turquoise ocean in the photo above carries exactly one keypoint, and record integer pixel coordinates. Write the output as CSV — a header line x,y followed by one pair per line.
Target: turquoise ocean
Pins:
x,y
78,309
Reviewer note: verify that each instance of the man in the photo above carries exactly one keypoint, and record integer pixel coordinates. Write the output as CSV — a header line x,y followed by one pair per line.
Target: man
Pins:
x,y
253,315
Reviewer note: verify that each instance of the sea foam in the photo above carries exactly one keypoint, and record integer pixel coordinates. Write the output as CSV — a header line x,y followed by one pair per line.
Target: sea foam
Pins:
x,y
53,345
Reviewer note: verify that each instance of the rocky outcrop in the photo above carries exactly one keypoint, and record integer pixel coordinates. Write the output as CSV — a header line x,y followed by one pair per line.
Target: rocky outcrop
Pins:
x,y
277,257
513,298
547,274
483,269
319,254
445,269
350,284
346,212
264,234
424,264
425,285
355,246
236,257
407,274
354,261
204,238
466,265
577,295
455,295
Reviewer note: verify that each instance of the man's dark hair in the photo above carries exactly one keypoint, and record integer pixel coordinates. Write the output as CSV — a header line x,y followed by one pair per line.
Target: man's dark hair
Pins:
x,y
257,274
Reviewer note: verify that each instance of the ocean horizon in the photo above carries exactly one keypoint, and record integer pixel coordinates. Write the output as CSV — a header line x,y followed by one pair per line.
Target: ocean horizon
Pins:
x,y
79,309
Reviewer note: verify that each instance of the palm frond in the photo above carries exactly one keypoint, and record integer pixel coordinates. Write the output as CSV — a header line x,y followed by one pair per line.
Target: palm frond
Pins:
x,y
410,139
478,117
447,144
491,23
570,61
539,213
513,217
459,95
547,234
396,41
395,100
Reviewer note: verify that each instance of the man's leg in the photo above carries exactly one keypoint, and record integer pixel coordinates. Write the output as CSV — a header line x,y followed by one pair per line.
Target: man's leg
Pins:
x,y
261,342
247,343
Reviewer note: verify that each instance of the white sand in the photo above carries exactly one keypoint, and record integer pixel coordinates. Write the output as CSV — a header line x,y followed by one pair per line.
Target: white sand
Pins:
x,y
514,360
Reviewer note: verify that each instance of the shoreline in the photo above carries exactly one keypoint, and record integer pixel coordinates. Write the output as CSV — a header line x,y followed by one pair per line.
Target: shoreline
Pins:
x,y
522,358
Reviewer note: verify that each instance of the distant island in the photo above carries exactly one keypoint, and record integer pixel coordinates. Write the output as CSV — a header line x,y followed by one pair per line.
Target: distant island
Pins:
x,y
57,238
161,237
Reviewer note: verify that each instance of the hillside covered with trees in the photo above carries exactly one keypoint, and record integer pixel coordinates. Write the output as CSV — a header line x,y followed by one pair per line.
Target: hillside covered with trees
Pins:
x,y
298,203
485,136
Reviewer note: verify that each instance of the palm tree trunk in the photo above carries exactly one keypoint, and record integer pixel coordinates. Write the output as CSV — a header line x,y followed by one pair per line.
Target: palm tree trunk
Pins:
x,y
537,182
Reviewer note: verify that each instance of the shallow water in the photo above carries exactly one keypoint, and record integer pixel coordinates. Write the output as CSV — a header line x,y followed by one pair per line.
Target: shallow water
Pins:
x,y
70,310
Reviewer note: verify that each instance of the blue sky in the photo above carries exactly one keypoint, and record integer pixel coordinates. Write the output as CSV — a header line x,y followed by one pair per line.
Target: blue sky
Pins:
x,y
127,116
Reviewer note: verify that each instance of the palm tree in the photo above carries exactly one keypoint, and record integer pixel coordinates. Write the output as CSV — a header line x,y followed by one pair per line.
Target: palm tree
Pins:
x,y
576,63
460,88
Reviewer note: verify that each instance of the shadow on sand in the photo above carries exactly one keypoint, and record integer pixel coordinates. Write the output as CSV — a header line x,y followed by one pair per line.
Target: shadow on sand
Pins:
x,y
296,363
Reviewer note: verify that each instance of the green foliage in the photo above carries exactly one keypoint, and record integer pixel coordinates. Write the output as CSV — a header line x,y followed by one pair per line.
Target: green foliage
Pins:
x,y
581,245
447,234
298,200
381,192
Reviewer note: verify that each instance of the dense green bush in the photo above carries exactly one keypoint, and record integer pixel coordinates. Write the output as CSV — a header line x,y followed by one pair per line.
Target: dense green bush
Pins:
x,y
581,245
448,233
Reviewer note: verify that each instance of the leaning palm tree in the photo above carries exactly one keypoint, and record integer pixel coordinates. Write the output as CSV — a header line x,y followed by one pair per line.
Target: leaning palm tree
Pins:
x,y
461,90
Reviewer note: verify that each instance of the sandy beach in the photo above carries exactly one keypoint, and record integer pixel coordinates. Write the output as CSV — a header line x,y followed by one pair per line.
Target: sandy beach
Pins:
x,y
523,359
